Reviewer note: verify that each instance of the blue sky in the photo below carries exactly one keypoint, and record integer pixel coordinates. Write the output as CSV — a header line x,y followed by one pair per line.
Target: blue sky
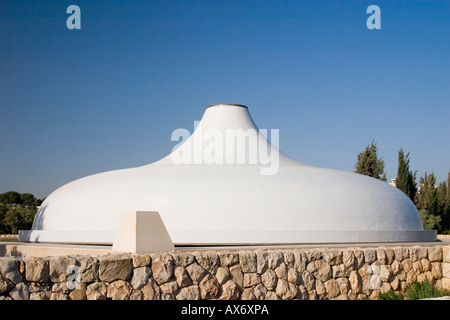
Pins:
x,y
108,96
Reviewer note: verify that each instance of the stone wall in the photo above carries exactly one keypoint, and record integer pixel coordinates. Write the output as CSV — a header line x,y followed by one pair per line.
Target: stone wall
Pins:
x,y
350,273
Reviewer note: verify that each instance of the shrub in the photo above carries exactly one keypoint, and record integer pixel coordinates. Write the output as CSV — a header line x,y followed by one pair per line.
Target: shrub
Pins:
x,y
422,290
390,295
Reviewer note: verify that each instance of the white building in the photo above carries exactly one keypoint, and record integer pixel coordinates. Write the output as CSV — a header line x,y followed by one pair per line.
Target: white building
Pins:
x,y
207,192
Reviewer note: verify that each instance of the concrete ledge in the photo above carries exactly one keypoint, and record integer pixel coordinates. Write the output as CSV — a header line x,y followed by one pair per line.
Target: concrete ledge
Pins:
x,y
21,249
443,237
102,237
246,237
252,237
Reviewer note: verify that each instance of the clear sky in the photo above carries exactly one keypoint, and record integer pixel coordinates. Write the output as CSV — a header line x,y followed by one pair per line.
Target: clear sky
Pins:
x,y
108,96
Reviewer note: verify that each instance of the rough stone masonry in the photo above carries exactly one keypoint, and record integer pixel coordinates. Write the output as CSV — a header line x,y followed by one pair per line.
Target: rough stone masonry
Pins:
x,y
257,274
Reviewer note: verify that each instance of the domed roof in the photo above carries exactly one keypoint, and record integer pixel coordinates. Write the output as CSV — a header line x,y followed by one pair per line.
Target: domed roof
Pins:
x,y
226,184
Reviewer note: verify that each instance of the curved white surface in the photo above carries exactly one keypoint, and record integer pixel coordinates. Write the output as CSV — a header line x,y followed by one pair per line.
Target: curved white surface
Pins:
x,y
231,203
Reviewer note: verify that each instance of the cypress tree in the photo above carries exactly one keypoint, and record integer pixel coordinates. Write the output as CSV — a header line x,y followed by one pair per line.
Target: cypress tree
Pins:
x,y
405,180
369,164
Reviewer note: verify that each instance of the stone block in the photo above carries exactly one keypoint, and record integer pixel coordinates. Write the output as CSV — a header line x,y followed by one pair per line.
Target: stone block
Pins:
x,y
320,269
209,287
189,293
183,259
228,259
370,255
162,268
170,287
209,261
332,257
196,272
37,269
88,268
348,259
417,253
446,270
79,293
20,292
119,290
435,254
274,259
140,277
261,261
141,260
9,268
401,253
5,285
332,288
381,256
182,277
286,290
446,253
247,260
96,291
236,275
230,291
115,267
61,267
269,279
151,291
251,279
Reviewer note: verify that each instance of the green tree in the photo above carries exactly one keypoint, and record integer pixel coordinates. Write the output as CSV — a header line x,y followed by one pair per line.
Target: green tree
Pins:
x,y
369,164
428,203
405,180
17,217
3,210
28,200
429,221
427,197
10,197
17,211
443,195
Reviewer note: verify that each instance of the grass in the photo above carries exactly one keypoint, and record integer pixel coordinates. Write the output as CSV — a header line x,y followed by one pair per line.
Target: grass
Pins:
x,y
423,290
416,291
390,295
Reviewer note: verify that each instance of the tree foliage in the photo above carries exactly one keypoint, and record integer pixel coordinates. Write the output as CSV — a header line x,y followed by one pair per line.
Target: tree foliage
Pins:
x,y
406,179
443,198
433,201
427,198
28,200
10,197
17,211
369,164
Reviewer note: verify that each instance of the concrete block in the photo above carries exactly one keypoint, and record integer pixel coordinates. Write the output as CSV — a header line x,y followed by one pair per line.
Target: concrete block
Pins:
x,y
142,231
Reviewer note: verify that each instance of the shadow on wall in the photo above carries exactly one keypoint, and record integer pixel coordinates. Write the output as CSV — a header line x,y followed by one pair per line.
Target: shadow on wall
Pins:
x,y
37,223
39,218
12,252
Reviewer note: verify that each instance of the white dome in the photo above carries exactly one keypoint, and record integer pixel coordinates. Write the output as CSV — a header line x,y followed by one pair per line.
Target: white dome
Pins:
x,y
209,191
